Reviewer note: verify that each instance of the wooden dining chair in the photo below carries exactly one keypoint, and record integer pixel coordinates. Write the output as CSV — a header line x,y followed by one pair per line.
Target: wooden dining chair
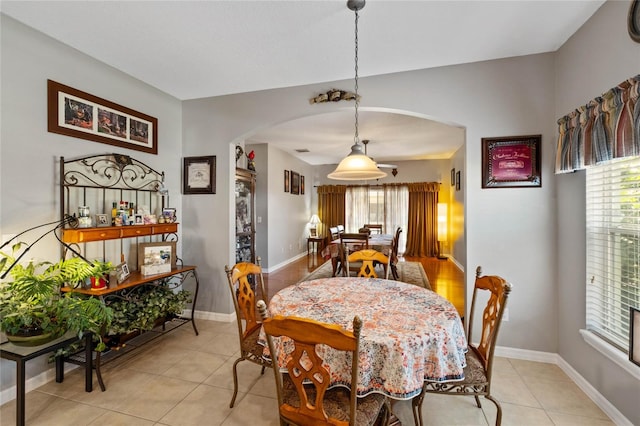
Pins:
x,y
393,258
477,373
350,242
335,234
370,259
243,278
304,397
340,229
374,227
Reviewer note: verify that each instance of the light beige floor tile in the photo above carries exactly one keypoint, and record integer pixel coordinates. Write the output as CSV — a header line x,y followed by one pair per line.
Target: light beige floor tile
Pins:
x,y
265,385
539,370
206,405
248,375
443,410
563,397
517,415
45,409
112,418
560,419
256,410
510,388
196,366
158,358
217,343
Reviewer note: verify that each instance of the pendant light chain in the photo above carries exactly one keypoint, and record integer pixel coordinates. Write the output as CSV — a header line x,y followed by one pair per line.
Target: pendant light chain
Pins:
x,y
356,138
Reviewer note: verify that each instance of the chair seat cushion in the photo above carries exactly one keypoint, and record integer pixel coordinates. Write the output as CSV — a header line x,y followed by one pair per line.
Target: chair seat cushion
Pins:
x,y
474,372
336,402
252,350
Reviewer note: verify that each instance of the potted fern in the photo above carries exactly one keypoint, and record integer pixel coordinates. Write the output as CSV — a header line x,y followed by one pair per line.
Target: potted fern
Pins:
x,y
32,308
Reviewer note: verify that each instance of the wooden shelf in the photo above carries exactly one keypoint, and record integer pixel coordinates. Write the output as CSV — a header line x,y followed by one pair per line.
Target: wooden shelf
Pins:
x,y
84,235
136,278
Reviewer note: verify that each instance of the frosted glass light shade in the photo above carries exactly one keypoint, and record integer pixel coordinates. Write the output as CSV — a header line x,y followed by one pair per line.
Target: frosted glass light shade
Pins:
x,y
356,166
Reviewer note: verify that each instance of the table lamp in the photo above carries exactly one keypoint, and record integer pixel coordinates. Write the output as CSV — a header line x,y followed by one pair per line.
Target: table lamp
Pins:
x,y
314,222
442,228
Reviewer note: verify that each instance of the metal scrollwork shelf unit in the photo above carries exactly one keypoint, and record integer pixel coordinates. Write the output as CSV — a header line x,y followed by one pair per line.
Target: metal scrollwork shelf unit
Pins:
x,y
95,182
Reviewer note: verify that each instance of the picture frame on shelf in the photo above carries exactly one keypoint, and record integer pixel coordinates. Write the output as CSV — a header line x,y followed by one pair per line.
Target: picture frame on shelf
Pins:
x,y
102,220
169,214
156,258
295,183
634,335
138,219
78,114
199,175
122,272
511,162
286,181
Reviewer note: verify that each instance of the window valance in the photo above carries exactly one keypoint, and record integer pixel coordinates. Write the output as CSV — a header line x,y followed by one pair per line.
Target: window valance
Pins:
x,y
607,127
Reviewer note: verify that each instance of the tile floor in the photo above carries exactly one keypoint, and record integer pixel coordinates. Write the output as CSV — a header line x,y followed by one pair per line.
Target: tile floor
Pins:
x,y
183,379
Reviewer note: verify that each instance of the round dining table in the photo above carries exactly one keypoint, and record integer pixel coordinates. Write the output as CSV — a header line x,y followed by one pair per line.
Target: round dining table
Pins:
x,y
409,334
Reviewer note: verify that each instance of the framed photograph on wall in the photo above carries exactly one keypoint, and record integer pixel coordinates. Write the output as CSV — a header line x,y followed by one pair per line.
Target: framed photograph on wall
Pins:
x,y
634,337
453,177
458,180
286,181
295,183
156,258
199,175
302,185
511,162
78,114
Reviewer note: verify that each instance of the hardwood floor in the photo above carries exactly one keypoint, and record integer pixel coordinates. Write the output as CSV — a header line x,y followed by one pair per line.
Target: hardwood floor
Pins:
x,y
444,276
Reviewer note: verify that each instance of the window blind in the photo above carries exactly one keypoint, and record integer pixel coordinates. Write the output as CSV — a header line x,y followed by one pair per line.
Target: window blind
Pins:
x,y
613,248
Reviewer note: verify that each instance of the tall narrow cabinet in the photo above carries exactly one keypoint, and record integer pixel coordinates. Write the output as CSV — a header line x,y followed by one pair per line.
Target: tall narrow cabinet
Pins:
x,y
245,216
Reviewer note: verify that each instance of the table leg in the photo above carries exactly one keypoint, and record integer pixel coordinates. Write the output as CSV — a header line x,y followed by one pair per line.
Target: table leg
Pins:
x,y
20,390
334,265
59,369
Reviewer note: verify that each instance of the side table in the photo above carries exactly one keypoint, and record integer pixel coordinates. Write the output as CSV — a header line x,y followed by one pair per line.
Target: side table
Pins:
x,y
22,354
317,241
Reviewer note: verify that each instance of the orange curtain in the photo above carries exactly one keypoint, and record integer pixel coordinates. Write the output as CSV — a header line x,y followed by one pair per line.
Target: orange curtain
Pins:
x,y
331,207
422,232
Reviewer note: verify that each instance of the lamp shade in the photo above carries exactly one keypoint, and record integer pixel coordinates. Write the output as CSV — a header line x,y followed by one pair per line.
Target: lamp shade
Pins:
x,y
356,166
314,220
442,222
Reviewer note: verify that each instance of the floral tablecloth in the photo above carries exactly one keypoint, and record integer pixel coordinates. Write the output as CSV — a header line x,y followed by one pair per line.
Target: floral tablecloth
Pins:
x,y
409,334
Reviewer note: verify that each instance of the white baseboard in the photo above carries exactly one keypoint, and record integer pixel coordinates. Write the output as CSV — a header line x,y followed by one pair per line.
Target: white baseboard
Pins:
x,y
211,316
609,409
283,264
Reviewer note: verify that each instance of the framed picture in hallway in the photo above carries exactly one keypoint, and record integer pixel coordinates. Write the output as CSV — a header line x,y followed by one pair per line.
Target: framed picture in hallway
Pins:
x,y
286,181
511,162
295,183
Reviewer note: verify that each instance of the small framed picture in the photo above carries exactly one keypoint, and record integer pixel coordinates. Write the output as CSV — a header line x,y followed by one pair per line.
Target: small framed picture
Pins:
x,y
634,338
156,258
102,220
453,177
302,185
286,181
295,183
511,162
138,219
199,175
122,272
458,180
169,214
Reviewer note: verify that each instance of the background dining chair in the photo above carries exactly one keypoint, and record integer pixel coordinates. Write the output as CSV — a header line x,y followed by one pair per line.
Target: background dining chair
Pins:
x,y
350,242
340,229
393,258
374,227
303,394
370,259
335,234
243,279
477,373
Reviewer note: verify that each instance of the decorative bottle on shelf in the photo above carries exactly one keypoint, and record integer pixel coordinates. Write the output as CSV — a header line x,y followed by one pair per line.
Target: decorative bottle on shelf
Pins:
x,y
114,213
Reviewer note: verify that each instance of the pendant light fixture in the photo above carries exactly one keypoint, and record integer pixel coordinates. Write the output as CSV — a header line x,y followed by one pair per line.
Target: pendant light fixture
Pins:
x,y
357,165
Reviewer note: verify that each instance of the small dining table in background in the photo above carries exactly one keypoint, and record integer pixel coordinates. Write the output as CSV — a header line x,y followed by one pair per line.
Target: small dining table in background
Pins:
x,y
409,334
380,242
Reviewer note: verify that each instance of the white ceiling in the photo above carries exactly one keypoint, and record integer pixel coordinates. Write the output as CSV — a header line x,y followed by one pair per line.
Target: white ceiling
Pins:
x,y
196,49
